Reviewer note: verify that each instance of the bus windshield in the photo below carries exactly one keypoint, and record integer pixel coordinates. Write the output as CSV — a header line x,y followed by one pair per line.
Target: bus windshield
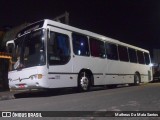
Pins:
x,y
29,50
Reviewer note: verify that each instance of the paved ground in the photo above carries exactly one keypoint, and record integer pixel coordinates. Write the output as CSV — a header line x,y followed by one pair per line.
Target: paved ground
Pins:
x,y
7,94
145,97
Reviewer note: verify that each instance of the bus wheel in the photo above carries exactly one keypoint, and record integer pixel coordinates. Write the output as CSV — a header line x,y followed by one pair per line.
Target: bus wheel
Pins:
x,y
83,82
136,79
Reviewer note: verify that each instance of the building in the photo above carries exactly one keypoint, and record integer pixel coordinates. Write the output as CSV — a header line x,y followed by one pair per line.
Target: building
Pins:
x,y
2,33
11,34
6,35
4,66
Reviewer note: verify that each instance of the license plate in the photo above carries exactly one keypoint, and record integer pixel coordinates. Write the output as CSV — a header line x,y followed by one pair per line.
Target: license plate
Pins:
x,y
21,86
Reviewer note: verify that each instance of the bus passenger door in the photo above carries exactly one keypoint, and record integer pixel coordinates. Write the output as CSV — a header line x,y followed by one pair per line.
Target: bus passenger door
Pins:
x,y
59,59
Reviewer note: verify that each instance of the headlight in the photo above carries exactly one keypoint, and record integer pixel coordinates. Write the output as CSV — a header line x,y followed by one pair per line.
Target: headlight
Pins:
x,y
37,76
33,77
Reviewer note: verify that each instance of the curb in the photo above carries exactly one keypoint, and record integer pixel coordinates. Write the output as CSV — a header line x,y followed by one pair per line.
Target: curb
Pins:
x,y
6,97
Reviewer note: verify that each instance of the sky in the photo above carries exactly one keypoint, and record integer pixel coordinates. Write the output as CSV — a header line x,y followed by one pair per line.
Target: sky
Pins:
x,y
136,22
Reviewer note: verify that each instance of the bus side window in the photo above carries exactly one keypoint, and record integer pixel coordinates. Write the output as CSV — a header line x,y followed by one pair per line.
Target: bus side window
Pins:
x,y
111,51
147,59
132,55
123,53
80,45
140,57
97,48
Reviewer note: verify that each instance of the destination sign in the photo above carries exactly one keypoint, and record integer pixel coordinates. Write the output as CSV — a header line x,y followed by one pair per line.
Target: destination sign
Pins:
x,y
30,28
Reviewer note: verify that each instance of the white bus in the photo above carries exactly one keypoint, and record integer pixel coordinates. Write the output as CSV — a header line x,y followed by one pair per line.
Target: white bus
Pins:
x,y
49,54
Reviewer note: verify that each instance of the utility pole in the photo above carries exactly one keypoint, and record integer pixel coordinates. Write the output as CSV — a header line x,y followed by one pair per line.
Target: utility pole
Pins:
x,y
65,16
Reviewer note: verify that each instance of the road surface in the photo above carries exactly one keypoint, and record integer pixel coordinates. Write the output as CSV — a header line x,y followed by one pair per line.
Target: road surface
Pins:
x,y
145,97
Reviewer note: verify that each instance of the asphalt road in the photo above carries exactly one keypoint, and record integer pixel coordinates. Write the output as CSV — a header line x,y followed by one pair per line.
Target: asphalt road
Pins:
x,y
145,97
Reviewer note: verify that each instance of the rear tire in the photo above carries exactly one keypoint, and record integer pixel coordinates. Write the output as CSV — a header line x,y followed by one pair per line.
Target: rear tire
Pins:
x,y
137,79
83,82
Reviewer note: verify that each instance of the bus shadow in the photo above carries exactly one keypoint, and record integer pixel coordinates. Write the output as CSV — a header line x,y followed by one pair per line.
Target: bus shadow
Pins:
x,y
58,92
43,93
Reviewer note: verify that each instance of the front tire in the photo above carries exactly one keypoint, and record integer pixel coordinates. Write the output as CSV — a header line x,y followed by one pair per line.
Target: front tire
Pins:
x,y
83,82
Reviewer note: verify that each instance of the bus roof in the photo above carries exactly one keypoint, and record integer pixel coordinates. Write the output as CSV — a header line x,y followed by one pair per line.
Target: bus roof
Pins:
x,y
88,33
48,22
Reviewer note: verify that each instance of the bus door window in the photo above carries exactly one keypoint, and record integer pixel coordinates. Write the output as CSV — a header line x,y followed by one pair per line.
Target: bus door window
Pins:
x,y
58,49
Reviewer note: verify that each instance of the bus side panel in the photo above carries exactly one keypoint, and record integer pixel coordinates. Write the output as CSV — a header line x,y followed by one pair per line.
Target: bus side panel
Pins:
x,y
95,65
60,80
112,72
119,72
60,76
